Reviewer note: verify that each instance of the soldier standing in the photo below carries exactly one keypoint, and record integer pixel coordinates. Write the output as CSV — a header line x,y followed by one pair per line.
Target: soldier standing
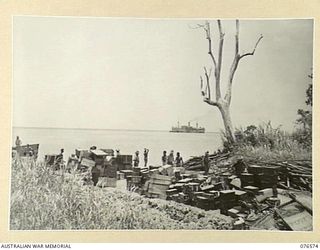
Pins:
x,y
206,163
136,159
145,156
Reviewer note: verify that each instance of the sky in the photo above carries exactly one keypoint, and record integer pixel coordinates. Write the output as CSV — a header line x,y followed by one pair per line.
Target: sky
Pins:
x,y
114,73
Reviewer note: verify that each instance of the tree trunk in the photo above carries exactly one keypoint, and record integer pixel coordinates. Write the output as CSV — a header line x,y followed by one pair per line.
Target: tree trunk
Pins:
x,y
225,113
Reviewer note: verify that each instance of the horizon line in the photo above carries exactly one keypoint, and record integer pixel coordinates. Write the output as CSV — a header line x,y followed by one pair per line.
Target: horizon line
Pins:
x,y
114,129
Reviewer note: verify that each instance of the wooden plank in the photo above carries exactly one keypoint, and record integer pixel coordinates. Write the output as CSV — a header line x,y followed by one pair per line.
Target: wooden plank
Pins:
x,y
161,177
304,199
299,222
265,223
160,182
158,188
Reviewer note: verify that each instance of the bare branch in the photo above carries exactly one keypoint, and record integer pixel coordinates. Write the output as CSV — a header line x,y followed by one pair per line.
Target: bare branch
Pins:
x,y
254,49
208,82
236,60
198,26
206,27
207,90
220,28
210,102
237,38
201,86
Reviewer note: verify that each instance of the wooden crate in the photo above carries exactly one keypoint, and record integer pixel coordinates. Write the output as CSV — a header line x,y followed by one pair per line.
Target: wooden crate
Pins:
x,y
120,176
136,179
233,212
240,195
87,163
50,159
82,153
111,182
125,159
159,184
126,173
247,179
195,187
109,152
256,169
122,184
111,171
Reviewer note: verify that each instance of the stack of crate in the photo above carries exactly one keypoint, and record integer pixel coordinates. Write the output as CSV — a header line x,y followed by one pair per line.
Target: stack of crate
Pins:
x,y
111,174
124,162
86,164
108,169
207,200
136,176
158,185
82,153
265,177
227,200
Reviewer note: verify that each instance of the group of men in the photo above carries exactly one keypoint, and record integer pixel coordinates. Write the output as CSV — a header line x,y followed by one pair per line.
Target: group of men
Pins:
x,y
136,159
171,160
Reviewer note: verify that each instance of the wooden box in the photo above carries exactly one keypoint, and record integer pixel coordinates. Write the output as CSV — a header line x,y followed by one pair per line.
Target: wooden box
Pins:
x,y
111,182
126,173
87,163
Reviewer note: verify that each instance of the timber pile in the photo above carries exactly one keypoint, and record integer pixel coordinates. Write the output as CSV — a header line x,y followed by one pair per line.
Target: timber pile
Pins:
x,y
293,174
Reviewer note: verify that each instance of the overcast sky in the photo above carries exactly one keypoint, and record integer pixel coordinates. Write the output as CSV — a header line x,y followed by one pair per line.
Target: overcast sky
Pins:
x,y
144,73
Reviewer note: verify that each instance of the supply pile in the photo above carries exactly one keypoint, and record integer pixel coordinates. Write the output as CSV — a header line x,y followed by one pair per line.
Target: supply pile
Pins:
x,y
254,194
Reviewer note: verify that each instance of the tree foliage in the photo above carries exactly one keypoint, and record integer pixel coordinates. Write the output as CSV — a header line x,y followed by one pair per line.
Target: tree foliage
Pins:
x,y
304,133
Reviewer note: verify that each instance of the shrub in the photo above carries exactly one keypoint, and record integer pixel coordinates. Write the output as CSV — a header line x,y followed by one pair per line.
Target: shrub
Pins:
x,y
266,142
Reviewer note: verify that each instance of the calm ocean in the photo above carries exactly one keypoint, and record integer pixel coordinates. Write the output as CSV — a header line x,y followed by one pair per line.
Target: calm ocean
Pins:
x,y
52,140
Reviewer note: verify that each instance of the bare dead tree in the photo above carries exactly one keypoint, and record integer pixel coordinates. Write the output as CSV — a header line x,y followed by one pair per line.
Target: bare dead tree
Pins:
x,y
222,103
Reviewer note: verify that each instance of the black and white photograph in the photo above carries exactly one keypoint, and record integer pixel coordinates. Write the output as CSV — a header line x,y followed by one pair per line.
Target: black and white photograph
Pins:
x,y
161,124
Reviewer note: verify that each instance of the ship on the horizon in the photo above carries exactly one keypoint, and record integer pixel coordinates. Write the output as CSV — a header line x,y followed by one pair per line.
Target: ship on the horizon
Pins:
x,y
187,129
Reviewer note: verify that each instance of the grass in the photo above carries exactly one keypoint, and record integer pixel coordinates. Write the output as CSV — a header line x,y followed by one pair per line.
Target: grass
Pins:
x,y
42,199
265,143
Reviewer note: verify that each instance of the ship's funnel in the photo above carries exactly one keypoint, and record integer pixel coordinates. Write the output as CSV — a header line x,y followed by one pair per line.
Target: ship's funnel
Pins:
x,y
189,124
